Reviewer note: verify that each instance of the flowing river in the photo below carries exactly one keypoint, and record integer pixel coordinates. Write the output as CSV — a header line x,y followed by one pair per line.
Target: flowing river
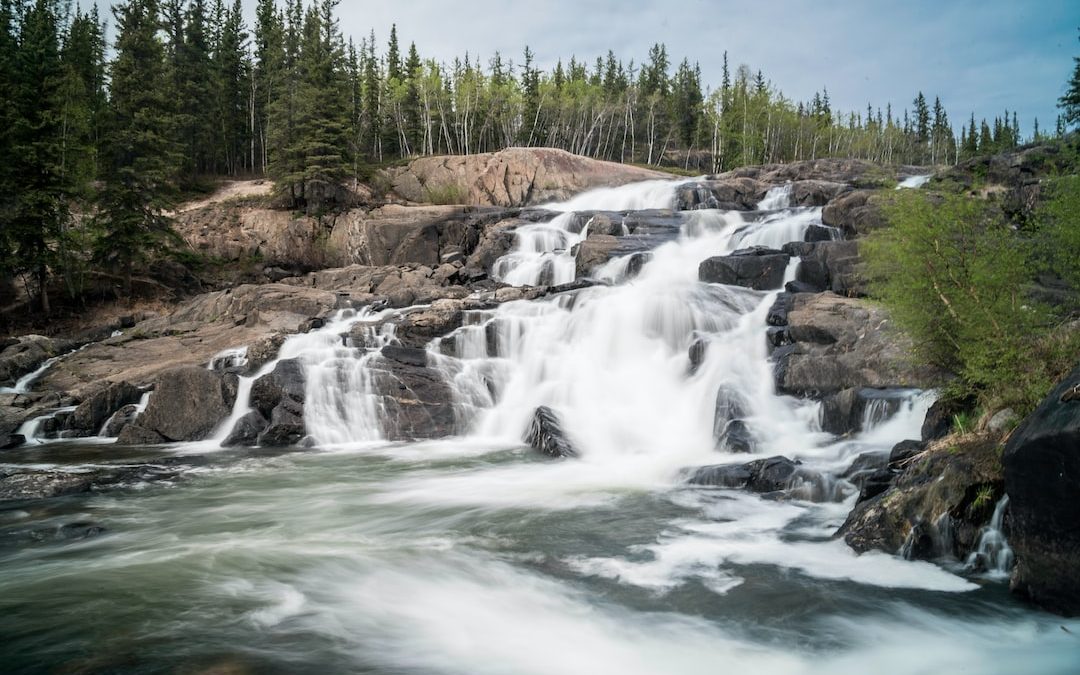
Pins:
x,y
477,555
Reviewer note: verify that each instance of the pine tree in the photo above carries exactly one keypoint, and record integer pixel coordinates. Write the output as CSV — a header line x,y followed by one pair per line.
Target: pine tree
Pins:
x,y
8,114
140,158
1070,100
230,78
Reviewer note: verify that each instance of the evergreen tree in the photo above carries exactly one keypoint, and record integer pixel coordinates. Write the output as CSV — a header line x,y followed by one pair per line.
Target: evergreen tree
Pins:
x,y
269,64
140,158
8,114
230,78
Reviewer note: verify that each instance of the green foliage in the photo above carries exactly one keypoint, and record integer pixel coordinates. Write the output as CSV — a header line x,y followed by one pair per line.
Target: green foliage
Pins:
x,y
447,194
1070,100
1059,229
953,274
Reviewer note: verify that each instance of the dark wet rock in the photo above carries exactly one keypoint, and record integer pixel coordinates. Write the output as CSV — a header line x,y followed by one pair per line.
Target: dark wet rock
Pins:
x,y
598,222
264,351
594,251
1042,478
406,355
847,411
762,475
936,506
829,265
279,397
415,401
43,484
133,434
778,313
246,431
875,483
11,441
815,233
696,354
734,194
188,403
737,437
903,452
92,413
940,418
757,268
417,329
120,419
865,466
636,263
777,336
545,435
24,356
730,405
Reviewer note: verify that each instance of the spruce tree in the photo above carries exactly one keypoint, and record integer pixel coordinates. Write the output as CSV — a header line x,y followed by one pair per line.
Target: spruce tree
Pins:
x,y
140,157
269,75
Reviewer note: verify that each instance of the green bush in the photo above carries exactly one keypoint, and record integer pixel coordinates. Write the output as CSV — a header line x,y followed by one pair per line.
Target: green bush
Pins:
x,y
1059,229
954,274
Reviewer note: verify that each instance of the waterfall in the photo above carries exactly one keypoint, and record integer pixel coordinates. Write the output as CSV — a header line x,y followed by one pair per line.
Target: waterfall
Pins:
x,y
613,361
992,555
914,182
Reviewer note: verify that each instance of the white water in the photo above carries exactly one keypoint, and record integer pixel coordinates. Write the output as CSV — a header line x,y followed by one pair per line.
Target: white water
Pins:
x,y
993,554
914,182
26,382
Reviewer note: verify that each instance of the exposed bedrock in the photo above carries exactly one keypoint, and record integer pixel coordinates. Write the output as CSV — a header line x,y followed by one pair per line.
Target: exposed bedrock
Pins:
x,y
188,404
758,268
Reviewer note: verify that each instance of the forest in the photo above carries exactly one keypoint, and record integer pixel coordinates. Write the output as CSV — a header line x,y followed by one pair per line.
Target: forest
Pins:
x,y
103,139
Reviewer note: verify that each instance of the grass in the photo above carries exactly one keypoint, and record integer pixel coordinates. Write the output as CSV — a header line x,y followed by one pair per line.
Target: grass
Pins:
x,y
447,194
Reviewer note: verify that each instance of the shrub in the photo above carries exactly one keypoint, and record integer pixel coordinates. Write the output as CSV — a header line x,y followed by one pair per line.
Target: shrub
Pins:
x,y
953,274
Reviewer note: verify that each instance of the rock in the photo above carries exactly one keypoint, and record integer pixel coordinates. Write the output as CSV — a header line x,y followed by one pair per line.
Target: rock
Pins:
x,y
134,434
816,192
842,343
246,431
874,484
937,506
24,356
188,403
279,397
407,355
419,328
511,177
696,354
593,252
778,313
867,468
545,435
264,351
855,213
1042,478
903,452
120,420
849,410
1002,421
940,417
416,401
11,441
43,484
737,437
734,194
774,474
816,233
829,265
92,413
758,268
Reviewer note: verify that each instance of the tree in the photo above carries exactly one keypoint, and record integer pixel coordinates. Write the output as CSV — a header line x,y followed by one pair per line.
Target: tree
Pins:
x,y
1070,100
268,74
140,156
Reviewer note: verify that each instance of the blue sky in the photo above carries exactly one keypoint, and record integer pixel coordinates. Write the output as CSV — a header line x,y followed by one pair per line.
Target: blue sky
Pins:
x,y
977,56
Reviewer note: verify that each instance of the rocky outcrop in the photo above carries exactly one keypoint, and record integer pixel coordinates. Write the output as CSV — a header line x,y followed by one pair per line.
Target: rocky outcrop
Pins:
x,y
734,194
847,411
188,403
842,343
23,355
937,503
278,400
766,476
511,177
546,435
757,268
415,401
816,192
829,266
855,213
95,410
1042,478
32,484
854,172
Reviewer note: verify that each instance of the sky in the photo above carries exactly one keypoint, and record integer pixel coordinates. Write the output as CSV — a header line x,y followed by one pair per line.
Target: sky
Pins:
x,y
982,56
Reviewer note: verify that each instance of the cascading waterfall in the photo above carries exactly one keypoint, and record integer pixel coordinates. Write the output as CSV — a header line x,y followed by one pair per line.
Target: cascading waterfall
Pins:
x,y
993,554
914,182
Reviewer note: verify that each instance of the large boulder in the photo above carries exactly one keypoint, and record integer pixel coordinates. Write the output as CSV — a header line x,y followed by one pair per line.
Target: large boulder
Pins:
x,y
734,194
510,177
774,474
851,410
1042,478
856,213
91,415
415,400
23,355
937,504
829,265
841,343
546,435
278,397
816,192
758,268
596,250
188,404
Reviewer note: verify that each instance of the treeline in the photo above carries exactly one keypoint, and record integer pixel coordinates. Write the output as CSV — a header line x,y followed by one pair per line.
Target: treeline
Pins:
x,y
96,149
